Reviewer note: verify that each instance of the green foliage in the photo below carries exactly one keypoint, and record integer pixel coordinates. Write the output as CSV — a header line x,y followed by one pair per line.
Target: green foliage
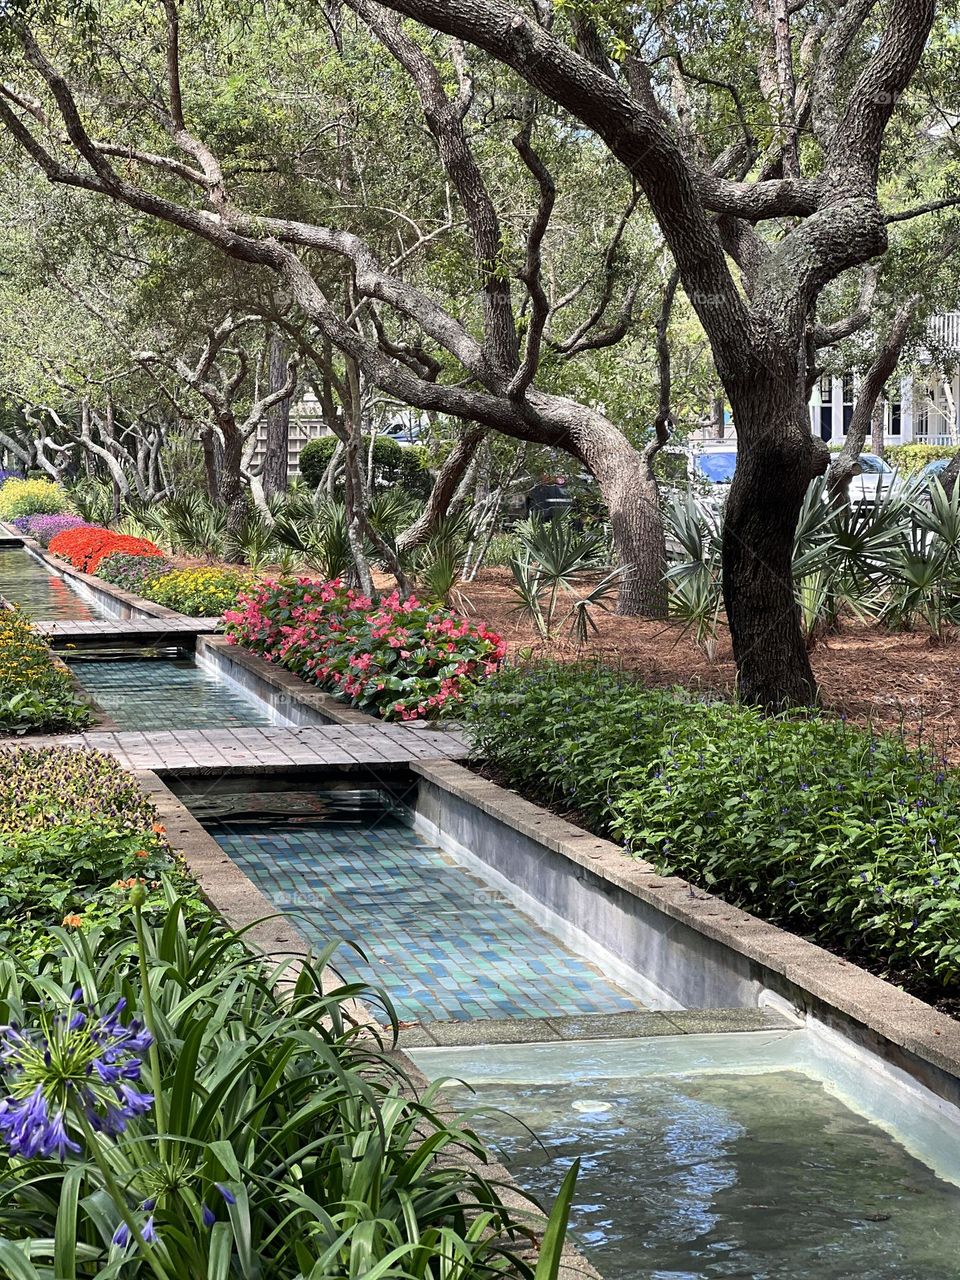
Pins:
x,y
36,692
553,559
694,579
393,465
848,837
132,572
33,498
501,550
281,1140
910,458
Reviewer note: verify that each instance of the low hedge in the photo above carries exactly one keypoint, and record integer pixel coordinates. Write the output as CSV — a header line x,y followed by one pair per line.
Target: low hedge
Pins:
x,y
393,465
847,837
910,458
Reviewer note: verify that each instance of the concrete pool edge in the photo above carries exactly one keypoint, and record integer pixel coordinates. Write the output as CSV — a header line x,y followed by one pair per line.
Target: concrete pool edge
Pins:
x,y
241,905
692,944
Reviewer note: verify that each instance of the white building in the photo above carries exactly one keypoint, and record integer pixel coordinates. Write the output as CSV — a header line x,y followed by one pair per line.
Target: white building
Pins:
x,y
921,407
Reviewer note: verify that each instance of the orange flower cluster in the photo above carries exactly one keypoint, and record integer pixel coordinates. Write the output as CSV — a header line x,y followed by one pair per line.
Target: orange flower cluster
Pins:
x,y
85,548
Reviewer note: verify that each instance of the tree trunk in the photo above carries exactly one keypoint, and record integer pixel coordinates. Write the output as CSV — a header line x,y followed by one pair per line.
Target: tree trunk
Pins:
x,y
776,460
211,463
444,487
636,523
277,427
231,495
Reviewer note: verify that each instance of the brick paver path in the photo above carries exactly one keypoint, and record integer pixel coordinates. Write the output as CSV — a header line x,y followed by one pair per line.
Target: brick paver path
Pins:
x,y
149,629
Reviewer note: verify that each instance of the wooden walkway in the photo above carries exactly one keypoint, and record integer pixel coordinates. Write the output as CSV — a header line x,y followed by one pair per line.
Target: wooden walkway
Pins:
x,y
107,630
191,751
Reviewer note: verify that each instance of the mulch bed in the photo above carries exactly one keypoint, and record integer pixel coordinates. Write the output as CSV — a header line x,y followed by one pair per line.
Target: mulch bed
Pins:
x,y
871,675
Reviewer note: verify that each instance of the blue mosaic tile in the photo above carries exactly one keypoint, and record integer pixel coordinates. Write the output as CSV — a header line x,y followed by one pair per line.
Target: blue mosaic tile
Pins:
x,y
444,944
155,693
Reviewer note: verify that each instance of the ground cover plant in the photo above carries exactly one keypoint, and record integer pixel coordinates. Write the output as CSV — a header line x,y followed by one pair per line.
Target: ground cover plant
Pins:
x,y
85,548
36,692
400,659
32,498
204,592
132,572
45,527
848,837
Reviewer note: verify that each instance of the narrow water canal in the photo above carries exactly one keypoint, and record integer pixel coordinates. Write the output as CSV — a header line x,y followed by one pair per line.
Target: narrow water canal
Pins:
x,y
163,691
45,596
448,945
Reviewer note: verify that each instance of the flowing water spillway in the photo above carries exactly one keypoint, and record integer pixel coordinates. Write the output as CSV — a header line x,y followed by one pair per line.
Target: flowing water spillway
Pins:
x,y
25,582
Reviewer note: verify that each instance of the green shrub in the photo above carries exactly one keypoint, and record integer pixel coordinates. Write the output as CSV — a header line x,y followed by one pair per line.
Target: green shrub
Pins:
x,y
393,465
848,837
909,458
33,498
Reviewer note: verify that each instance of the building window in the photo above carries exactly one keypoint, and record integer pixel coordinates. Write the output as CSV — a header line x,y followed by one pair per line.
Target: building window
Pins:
x,y
847,401
896,417
826,407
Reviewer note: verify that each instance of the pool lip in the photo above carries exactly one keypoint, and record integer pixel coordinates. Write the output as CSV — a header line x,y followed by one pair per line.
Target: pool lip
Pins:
x,y
901,1028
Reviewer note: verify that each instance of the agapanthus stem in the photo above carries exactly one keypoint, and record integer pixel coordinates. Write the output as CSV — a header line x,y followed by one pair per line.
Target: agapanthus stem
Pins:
x,y
118,1197
153,1054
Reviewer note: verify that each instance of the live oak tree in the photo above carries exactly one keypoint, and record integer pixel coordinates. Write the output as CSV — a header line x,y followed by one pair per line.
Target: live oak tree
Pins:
x,y
485,351
754,138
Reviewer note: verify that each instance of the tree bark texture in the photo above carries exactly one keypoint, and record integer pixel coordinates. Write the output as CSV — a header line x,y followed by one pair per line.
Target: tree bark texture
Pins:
x,y
277,426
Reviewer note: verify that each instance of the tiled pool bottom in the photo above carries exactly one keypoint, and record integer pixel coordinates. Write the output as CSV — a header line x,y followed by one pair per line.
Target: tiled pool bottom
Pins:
x,y
164,693
444,944
45,596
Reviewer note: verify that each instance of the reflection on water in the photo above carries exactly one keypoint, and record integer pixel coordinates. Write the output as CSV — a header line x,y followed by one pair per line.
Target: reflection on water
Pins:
x,y
23,581
761,1176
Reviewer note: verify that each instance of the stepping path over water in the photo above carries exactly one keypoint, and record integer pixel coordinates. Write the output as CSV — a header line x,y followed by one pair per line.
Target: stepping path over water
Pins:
x,y
188,750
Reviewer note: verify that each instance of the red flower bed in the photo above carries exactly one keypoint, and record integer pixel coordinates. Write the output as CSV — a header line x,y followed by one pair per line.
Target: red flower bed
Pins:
x,y
85,548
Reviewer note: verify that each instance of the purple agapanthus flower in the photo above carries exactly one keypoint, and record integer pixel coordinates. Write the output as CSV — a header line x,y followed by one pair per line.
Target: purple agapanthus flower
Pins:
x,y
76,1064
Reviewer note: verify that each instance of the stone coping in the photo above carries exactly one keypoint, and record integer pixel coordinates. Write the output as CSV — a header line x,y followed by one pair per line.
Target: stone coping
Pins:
x,y
235,897
835,990
593,1026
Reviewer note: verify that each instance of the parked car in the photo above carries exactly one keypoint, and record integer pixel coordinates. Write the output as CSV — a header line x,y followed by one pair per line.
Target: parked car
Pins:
x,y
404,433
873,479
705,470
